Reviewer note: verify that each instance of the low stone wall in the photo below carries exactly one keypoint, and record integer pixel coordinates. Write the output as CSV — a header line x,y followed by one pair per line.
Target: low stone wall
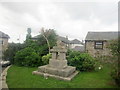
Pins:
x,y
3,79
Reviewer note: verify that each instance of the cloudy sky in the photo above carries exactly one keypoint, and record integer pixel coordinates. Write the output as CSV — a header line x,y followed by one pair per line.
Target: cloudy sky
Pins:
x,y
69,18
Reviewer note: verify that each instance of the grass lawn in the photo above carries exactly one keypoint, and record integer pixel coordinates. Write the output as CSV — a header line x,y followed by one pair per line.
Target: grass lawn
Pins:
x,y
21,77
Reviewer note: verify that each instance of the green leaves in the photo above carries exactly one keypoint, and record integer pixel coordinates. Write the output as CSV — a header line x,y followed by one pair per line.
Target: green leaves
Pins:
x,y
45,58
82,61
27,57
115,47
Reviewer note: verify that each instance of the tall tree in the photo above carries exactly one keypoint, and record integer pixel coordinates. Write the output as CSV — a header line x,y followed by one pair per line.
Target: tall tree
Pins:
x,y
28,36
45,34
50,37
115,49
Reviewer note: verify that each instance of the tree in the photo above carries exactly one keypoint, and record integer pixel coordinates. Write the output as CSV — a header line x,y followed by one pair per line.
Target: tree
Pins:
x,y
11,51
28,36
49,34
40,46
27,57
115,49
45,36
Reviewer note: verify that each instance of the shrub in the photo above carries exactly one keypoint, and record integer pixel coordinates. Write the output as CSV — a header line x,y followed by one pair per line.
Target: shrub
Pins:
x,y
82,61
115,49
27,57
45,58
116,76
11,51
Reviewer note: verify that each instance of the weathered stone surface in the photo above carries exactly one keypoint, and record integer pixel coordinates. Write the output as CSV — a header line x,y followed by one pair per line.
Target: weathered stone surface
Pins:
x,y
55,71
58,63
57,66
97,52
69,78
42,68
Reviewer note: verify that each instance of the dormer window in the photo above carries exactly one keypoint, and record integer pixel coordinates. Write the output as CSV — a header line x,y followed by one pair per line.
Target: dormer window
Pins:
x,y
98,45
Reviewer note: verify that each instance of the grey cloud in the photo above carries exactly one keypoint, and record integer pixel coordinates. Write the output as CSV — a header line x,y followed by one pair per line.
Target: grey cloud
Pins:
x,y
81,16
106,12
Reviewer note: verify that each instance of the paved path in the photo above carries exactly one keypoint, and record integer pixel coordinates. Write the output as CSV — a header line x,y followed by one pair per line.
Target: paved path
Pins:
x,y
3,83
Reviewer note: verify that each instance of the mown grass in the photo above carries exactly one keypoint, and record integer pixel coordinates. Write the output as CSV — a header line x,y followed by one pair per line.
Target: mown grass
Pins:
x,y
21,77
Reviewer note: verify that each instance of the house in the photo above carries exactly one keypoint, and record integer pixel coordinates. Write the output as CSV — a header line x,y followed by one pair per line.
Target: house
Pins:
x,y
70,44
64,40
75,43
3,42
96,43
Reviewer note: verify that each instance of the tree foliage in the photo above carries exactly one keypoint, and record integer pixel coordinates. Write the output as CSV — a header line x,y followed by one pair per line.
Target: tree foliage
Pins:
x,y
27,57
45,58
28,36
35,49
48,37
82,61
11,51
115,49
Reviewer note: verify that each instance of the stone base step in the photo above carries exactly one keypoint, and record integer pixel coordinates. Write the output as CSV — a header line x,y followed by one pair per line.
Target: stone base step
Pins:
x,y
56,71
46,75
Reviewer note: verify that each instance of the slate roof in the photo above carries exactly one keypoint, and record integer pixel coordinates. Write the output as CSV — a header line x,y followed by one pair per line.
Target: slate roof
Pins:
x,y
3,35
75,41
63,39
101,35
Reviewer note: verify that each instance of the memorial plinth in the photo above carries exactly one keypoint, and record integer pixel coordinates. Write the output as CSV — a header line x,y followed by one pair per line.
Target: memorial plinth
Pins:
x,y
57,66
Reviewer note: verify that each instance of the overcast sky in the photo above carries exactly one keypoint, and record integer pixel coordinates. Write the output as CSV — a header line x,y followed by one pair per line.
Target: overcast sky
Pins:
x,y
73,19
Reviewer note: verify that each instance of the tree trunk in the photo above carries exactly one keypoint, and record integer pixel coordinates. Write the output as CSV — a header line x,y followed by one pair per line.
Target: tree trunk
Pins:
x,y
47,42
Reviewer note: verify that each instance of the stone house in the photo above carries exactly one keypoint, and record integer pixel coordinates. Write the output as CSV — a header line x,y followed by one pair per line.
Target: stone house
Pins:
x,y
70,44
96,43
75,43
64,40
3,42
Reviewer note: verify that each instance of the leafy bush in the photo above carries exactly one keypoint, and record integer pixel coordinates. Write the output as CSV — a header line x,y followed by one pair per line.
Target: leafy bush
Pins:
x,y
11,51
116,76
82,61
115,49
45,58
27,57
39,46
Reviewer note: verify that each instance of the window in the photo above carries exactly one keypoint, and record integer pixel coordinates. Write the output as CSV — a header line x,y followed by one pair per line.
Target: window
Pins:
x,y
1,41
98,45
